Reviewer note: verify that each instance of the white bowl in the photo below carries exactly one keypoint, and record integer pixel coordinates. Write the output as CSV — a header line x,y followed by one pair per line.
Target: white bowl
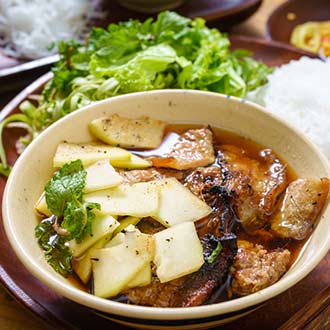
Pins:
x,y
34,168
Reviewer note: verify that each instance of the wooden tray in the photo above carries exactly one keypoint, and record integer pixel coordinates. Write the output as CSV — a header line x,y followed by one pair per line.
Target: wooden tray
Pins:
x,y
64,314
15,73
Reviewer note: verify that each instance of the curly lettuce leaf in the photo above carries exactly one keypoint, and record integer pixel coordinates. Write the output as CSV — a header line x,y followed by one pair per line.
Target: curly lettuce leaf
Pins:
x,y
169,52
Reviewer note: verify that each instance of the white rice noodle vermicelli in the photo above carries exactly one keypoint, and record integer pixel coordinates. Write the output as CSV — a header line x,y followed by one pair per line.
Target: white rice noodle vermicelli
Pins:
x,y
29,28
299,92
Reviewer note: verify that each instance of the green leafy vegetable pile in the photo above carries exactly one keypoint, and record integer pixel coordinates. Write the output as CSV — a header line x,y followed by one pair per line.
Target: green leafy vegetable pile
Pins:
x,y
170,52
64,194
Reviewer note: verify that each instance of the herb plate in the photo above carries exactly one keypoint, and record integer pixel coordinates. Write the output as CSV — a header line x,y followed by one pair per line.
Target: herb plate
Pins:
x,y
223,14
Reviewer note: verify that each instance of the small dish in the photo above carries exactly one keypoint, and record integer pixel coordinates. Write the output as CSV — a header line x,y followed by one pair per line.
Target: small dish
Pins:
x,y
291,13
154,6
176,106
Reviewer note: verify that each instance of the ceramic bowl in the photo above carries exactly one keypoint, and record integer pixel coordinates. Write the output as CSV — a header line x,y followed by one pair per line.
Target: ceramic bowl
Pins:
x,y
150,6
34,168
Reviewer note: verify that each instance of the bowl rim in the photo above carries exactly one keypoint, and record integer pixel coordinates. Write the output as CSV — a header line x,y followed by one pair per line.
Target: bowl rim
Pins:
x,y
156,313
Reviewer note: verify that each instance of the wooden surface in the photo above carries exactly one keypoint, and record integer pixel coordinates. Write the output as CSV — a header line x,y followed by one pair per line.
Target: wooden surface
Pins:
x,y
315,311
14,317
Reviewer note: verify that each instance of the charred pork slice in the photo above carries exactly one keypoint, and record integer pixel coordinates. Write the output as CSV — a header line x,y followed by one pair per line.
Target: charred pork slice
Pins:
x,y
207,184
196,288
202,179
255,268
303,202
192,149
254,185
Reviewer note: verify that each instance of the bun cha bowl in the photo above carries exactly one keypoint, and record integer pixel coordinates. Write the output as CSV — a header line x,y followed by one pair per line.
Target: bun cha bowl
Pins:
x,y
162,204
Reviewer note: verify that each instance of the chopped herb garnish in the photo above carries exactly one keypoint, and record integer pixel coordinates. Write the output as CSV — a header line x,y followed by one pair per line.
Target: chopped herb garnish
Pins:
x,y
211,258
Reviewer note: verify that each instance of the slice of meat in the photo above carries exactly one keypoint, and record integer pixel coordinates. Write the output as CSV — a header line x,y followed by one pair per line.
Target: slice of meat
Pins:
x,y
255,268
207,184
303,202
202,179
192,149
155,294
254,185
135,176
193,289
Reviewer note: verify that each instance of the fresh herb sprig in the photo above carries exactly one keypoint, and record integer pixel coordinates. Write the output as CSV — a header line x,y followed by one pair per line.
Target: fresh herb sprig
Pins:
x,y
64,198
57,254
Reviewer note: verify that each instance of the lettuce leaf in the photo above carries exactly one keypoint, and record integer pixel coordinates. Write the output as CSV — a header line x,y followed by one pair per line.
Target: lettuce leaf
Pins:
x,y
169,52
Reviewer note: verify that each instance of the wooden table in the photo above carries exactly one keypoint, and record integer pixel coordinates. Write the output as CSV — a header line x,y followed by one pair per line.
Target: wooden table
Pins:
x,y
14,317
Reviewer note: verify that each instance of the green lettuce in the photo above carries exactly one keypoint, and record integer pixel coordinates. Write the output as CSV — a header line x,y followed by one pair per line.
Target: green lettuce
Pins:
x,y
170,52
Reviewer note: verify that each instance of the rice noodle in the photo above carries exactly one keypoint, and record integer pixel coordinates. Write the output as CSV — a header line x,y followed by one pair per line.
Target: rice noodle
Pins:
x,y
29,28
298,92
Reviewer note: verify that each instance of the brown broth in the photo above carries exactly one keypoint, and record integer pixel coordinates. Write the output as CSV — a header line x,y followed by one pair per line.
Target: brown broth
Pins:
x,y
252,150
222,137
76,282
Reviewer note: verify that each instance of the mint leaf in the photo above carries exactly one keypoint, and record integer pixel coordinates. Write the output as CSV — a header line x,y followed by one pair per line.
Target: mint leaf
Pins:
x,y
66,186
78,219
57,254
64,194
74,219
